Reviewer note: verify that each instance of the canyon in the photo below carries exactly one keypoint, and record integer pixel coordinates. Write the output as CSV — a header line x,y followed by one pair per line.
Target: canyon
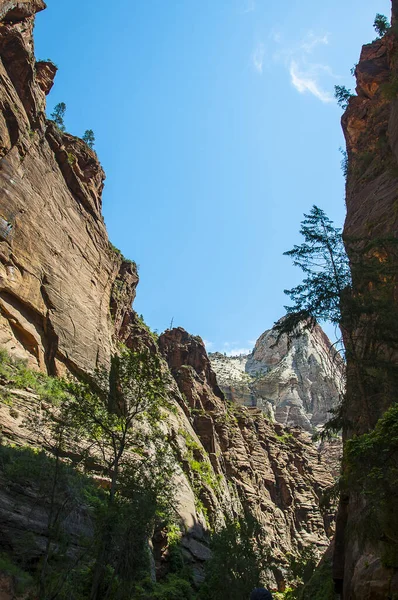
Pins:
x,y
66,298
66,305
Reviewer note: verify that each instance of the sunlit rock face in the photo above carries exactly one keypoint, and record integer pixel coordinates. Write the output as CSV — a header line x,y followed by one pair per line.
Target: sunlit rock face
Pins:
x,y
297,381
57,268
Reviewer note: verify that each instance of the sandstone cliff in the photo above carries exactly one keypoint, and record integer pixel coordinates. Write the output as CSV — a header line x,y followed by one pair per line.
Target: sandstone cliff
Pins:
x,y
65,302
51,185
296,381
370,125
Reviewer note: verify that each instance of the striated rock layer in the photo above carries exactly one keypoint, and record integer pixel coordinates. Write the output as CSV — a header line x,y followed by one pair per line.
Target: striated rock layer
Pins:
x,y
65,302
57,268
298,382
370,126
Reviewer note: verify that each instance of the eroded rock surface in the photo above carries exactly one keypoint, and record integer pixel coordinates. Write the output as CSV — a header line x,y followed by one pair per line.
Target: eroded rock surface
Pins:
x,y
66,301
275,473
57,268
297,382
370,126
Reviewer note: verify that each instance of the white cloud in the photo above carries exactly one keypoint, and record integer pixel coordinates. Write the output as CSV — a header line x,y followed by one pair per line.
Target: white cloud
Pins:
x,y
238,351
305,81
306,76
311,41
235,348
258,57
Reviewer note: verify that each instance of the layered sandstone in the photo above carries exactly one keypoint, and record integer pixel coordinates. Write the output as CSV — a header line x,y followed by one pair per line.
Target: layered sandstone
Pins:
x,y
296,381
273,472
57,268
66,301
370,126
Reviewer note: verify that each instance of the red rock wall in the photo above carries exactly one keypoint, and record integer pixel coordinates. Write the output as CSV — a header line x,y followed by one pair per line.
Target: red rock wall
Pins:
x,y
57,269
370,125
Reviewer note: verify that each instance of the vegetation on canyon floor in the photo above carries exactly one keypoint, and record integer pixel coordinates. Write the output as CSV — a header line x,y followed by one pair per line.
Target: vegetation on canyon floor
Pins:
x,y
102,473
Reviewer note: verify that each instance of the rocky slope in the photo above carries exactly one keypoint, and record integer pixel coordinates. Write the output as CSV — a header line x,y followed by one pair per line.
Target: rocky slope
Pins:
x,y
297,382
65,303
370,126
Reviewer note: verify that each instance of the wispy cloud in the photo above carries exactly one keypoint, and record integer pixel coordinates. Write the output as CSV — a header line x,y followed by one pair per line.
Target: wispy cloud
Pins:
x,y
258,57
306,81
306,74
311,41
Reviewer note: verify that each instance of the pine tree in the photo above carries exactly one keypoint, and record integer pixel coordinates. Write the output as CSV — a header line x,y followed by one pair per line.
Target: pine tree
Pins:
x,y
381,25
89,138
323,259
58,115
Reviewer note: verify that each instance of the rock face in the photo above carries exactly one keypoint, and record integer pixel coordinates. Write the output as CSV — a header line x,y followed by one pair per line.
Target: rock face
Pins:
x,y
297,382
274,473
370,125
65,301
57,268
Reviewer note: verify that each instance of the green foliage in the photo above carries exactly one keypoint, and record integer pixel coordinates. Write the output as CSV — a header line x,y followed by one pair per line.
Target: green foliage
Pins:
x,y
58,115
118,253
381,25
200,472
342,95
71,158
64,494
174,587
389,89
18,375
154,335
344,162
89,138
114,423
302,567
121,417
20,579
324,262
239,560
321,585
371,469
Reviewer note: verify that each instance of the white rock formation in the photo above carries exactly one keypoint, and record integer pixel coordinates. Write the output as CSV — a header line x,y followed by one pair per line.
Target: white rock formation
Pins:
x,y
297,382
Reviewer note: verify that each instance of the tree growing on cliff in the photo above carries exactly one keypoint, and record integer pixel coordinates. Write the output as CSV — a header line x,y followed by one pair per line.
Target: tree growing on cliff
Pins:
x,y
122,420
342,95
381,25
58,115
324,262
89,138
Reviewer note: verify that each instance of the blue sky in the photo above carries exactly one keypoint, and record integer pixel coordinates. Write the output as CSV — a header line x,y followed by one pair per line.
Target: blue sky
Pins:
x,y
216,125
